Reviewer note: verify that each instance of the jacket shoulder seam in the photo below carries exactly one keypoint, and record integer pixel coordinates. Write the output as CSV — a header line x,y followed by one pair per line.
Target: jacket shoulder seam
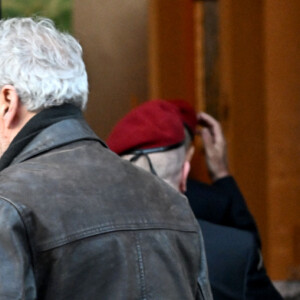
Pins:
x,y
112,228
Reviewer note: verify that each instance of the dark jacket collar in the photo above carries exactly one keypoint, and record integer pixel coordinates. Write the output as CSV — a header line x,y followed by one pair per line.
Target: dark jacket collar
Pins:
x,y
45,131
57,135
34,126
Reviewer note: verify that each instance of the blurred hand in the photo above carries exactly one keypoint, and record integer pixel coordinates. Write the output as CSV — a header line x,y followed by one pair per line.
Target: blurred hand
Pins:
x,y
214,146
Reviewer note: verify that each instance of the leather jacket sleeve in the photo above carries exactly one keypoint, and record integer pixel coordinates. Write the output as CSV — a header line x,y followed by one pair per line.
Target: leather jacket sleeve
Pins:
x,y
16,274
204,288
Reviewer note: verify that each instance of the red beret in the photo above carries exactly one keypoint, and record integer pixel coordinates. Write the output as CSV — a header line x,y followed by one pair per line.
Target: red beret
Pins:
x,y
188,114
154,124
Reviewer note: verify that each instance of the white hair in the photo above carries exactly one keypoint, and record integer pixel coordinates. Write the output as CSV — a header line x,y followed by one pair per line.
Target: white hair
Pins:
x,y
168,165
44,65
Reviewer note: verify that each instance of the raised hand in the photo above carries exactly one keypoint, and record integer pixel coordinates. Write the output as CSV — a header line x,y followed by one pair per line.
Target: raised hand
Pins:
x,y
214,146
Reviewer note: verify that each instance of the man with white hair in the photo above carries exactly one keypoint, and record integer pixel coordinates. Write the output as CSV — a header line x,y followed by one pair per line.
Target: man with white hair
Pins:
x,y
76,221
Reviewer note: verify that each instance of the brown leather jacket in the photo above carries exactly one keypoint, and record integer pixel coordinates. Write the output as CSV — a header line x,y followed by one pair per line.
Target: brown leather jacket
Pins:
x,y
77,222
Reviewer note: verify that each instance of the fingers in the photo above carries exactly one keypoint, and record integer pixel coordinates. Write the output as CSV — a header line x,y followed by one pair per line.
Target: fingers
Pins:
x,y
214,146
212,125
207,138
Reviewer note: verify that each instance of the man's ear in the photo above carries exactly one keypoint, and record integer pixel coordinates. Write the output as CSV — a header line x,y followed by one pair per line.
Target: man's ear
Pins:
x,y
190,152
184,175
9,105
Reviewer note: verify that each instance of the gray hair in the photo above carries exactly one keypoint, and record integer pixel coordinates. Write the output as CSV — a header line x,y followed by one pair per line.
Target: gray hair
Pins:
x,y
168,165
44,65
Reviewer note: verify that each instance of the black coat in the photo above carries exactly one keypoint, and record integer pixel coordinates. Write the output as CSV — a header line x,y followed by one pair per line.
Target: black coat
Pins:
x,y
232,242
221,203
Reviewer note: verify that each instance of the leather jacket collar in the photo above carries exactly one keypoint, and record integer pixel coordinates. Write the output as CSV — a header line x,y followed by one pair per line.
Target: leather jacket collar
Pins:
x,y
53,137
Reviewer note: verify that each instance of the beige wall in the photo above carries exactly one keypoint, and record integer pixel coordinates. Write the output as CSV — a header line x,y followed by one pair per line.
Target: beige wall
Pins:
x,y
114,38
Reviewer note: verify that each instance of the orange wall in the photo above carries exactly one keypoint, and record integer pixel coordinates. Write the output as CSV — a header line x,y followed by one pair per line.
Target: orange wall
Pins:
x,y
260,87
282,65
171,44
242,95
176,57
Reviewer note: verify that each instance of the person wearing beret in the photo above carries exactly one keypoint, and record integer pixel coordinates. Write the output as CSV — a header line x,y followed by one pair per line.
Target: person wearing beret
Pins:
x,y
222,202
231,253
157,125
